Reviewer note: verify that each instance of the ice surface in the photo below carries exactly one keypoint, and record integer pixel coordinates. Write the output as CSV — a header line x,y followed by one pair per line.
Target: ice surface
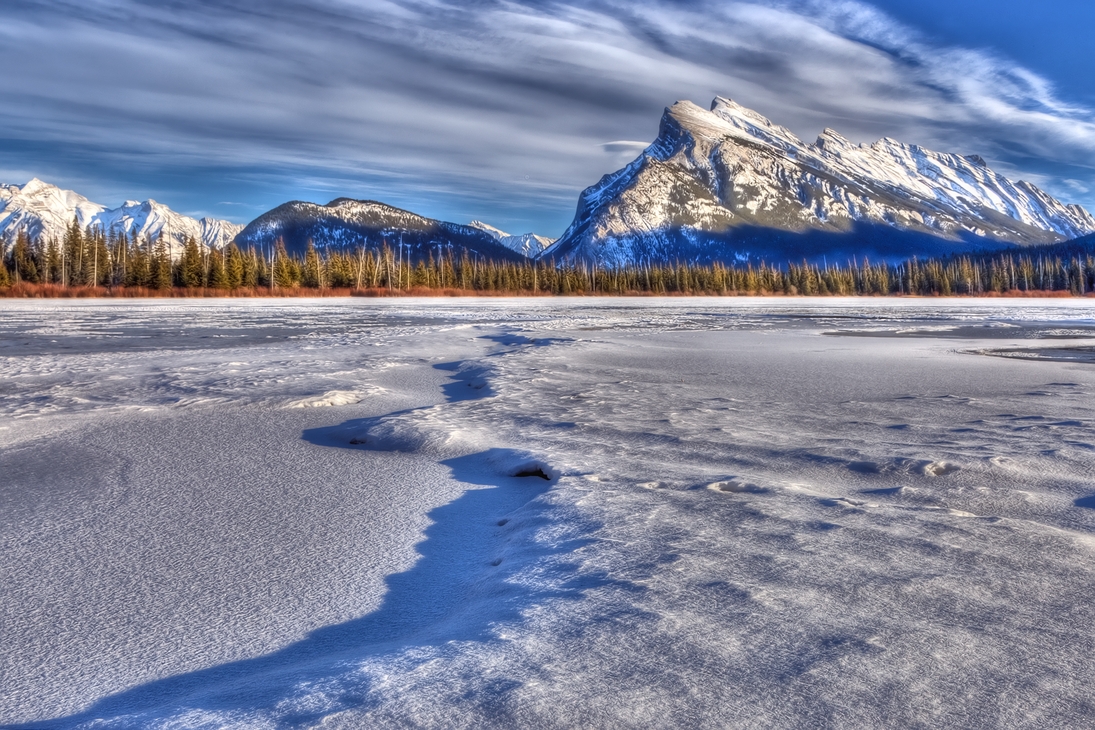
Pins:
x,y
733,513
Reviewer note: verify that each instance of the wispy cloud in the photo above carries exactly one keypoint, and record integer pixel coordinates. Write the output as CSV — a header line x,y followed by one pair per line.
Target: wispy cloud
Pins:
x,y
497,110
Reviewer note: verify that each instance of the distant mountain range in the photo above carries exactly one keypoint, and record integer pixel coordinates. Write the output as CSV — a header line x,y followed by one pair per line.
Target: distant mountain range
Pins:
x,y
728,184
527,244
41,209
723,184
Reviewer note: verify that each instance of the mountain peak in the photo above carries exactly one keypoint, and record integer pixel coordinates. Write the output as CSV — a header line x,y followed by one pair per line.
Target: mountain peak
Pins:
x,y
35,185
728,183
489,229
528,244
756,126
347,224
830,139
43,210
729,109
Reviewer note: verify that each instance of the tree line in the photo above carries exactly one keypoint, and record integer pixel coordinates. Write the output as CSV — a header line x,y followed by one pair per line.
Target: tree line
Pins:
x,y
119,261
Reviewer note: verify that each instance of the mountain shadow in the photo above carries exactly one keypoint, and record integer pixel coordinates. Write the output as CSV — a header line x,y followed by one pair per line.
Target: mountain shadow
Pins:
x,y
748,244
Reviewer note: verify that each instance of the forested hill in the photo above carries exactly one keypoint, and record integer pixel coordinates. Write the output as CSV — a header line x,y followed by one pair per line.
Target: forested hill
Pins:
x,y
346,225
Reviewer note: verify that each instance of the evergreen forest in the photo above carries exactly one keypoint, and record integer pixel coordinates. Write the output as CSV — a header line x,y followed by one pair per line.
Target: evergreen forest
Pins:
x,y
94,263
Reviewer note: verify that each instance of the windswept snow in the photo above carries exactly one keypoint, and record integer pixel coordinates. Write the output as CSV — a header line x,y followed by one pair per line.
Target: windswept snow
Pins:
x,y
546,513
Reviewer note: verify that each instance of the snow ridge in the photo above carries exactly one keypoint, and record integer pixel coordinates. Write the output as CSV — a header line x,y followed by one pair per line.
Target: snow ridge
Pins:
x,y
727,183
43,211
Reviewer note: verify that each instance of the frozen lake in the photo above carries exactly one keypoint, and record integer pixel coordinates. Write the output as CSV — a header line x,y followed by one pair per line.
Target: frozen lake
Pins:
x,y
733,513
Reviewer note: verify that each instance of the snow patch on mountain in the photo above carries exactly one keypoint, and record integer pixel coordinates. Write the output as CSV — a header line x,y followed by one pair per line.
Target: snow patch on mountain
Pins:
x,y
528,244
352,225
719,180
151,220
40,209
45,211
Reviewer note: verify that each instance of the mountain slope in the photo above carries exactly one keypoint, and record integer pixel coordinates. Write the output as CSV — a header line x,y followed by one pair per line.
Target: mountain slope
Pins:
x,y
349,224
44,210
151,219
40,209
728,184
526,244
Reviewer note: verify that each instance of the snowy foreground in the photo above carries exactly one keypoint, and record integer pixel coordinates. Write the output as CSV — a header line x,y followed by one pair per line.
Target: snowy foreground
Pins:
x,y
759,513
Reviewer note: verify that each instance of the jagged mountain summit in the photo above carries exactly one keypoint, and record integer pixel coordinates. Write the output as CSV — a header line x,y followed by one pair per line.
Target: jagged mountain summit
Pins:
x,y
729,185
527,244
347,224
151,220
42,211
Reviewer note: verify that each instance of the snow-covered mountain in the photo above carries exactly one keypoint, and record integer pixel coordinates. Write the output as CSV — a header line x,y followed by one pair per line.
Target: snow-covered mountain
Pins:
x,y
152,219
44,210
728,184
349,224
527,244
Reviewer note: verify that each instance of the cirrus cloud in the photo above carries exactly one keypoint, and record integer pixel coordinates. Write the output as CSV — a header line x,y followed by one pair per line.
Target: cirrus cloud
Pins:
x,y
496,110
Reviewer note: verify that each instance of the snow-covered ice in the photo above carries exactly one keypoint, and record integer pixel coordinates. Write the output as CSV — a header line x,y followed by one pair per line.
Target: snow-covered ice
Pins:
x,y
730,513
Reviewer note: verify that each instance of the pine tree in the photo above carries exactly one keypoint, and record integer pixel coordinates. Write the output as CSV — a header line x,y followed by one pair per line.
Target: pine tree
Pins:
x,y
286,273
190,268
72,254
260,268
23,259
138,268
52,271
311,276
160,265
234,266
252,269
96,257
218,274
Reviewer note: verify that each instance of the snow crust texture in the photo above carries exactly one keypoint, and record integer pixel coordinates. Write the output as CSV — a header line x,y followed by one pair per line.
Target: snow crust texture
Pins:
x,y
529,513
42,210
727,182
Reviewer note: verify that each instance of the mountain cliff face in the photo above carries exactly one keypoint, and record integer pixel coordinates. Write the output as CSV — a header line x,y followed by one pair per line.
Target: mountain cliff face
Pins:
x,y
349,224
44,210
729,185
526,244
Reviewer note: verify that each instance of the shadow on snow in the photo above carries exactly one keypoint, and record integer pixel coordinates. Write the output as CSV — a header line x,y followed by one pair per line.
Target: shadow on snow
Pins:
x,y
454,592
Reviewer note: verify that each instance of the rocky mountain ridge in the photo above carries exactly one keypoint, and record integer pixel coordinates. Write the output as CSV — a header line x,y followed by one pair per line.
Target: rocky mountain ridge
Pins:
x,y
728,184
44,211
526,244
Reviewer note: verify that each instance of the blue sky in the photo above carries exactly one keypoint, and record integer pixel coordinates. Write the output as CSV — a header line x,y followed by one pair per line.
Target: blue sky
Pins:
x,y
504,111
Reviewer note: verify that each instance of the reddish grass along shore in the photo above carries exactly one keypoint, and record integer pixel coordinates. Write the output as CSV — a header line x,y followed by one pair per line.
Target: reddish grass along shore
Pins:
x,y
24,290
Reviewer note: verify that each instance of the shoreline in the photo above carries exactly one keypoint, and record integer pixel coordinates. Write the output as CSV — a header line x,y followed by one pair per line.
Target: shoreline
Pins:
x,y
54,291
